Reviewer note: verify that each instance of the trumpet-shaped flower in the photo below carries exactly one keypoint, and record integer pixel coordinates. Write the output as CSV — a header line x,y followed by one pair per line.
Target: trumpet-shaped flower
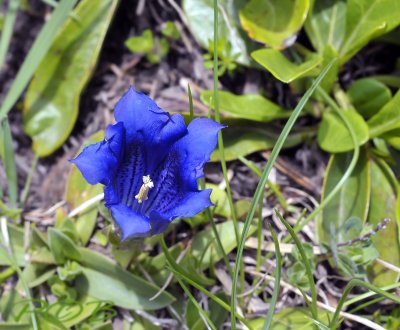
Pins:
x,y
149,163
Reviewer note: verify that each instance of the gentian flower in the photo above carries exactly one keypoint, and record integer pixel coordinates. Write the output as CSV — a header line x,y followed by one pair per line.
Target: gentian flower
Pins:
x,y
149,163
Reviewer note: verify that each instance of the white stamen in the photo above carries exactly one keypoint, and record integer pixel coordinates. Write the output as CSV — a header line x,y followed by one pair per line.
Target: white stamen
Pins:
x,y
144,189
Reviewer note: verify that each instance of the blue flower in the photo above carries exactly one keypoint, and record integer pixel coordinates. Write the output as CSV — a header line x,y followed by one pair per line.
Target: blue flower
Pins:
x,y
149,163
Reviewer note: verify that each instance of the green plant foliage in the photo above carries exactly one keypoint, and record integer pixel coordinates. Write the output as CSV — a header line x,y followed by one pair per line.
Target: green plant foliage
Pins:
x,y
382,205
352,200
274,22
368,96
282,68
387,119
119,286
79,191
252,106
200,17
52,100
333,136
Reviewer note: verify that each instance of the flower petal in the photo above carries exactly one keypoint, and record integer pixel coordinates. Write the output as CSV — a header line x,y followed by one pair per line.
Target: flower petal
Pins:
x,y
147,123
195,148
98,162
132,224
190,205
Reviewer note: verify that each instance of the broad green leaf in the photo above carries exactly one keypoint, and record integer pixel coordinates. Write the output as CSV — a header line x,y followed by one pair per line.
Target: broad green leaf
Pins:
x,y
141,44
368,96
366,20
16,235
274,22
62,247
325,25
283,69
52,100
393,138
252,106
200,19
292,319
386,241
245,137
117,285
387,119
333,135
78,191
351,201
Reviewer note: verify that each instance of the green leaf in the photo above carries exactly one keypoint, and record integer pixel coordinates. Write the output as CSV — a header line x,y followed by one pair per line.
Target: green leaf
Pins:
x,y
78,191
393,138
366,20
333,135
16,235
245,137
141,44
274,22
326,24
351,201
117,285
252,106
283,69
386,241
62,247
368,96
387,119
52,100
200,19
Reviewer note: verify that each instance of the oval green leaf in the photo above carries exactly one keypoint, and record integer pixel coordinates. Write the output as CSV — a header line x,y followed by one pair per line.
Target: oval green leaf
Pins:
x,y
251,106
283,69
333,135
105,280
387,119
274,22
351,201
52,100
368,96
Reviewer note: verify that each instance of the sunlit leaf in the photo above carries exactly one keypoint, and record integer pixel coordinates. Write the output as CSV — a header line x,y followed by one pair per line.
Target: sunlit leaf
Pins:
x,y
52,100
282,68
333,135
252,106
274,22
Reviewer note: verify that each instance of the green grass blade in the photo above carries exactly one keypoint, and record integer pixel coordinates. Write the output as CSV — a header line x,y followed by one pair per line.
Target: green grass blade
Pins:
x,y
8,29
7,155
355,282
275,294
277,148
36,54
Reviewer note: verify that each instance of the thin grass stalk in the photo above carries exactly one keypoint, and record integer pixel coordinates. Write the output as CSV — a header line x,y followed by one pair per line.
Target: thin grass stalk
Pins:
x,y
275,294
28,182
221,145
277,148
356,282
